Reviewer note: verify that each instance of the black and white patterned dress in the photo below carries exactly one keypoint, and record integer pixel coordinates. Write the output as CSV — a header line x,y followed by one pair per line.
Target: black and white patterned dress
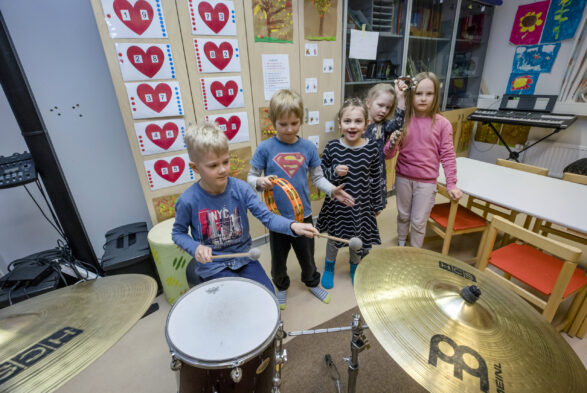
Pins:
x,y
380,136
362,182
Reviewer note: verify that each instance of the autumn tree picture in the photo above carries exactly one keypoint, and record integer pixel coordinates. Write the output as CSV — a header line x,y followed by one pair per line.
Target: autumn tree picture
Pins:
x,y
273,21
320,20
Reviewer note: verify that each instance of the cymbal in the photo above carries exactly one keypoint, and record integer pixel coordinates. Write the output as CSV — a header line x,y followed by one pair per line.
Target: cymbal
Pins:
x,y
411,300
46,340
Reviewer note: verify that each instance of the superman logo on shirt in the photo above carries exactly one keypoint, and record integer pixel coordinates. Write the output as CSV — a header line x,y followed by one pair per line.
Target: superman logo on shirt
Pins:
x,y
290,162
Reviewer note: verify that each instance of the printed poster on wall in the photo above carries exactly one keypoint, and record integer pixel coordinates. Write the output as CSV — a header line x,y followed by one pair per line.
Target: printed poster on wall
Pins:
x,y
222,93
535,58
145,61
273,21
152,99
134,19
234,125
275,74
523,83
528,23
212,17
563,19
217,55
160,136
168,171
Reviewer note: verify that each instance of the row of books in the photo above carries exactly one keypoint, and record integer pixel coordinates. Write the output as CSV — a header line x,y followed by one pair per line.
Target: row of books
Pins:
x,y
426,22
357,71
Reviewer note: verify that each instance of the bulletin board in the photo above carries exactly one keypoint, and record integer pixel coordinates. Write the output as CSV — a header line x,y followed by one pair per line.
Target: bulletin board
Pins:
x,y
175,62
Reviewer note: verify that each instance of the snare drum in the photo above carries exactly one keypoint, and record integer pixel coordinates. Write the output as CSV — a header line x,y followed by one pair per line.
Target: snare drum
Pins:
x,y
221,334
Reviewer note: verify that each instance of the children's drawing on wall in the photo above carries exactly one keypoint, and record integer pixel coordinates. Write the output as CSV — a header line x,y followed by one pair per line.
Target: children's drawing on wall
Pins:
x,y
267,129
273,21
535,58
563,19
320,20
160,136
528,23
212,17
165,206
315,193
240,162
523,84
168,171
136,19
234,125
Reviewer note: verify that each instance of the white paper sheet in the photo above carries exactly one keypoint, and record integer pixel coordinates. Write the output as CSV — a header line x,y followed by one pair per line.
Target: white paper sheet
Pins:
x,y
364,45
275,74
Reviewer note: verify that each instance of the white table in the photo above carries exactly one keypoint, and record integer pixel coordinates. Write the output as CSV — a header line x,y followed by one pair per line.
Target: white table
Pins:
x,y
554,200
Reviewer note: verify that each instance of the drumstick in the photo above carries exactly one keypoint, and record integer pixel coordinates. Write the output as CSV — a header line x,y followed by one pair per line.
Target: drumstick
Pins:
x,y
354,243
253,253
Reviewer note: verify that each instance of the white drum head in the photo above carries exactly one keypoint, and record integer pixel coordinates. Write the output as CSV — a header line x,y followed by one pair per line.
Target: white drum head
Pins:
x,y
222,320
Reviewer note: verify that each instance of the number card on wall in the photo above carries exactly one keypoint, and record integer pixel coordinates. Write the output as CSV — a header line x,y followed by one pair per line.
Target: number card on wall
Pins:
x,y
221,93
145,61
212,17
213,55
234,125
160,136
134,19
152,99
168,171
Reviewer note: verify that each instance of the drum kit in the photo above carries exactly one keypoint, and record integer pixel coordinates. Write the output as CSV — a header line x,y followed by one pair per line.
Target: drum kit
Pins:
x,y
451,327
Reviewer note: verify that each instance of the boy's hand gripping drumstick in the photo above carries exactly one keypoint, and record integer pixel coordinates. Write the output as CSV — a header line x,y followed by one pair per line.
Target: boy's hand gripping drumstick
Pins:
x,y
253,253
354,243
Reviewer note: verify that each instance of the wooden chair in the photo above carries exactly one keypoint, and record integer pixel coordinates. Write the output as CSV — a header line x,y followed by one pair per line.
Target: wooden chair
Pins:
x,y
545,228
450,219
555,278
496,210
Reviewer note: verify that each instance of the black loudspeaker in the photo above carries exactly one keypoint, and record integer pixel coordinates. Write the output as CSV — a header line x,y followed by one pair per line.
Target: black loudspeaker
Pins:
x,y
127,251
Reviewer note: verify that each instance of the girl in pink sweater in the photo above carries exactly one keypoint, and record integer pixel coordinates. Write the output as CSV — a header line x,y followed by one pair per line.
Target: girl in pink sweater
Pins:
x,y
424,145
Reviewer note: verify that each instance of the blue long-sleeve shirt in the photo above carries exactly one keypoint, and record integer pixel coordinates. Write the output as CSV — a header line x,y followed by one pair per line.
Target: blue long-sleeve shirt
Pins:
x,y
220,222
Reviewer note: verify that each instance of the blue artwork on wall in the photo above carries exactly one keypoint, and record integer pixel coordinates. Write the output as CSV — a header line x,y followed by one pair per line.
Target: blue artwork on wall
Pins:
x,y
522,83
535,58
562,20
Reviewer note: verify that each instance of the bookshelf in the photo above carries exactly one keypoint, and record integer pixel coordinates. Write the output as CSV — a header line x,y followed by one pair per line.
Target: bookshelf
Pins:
x,y
447,37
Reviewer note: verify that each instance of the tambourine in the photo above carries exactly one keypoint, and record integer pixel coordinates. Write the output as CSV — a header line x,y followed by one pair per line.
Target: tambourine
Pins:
x,y
292,195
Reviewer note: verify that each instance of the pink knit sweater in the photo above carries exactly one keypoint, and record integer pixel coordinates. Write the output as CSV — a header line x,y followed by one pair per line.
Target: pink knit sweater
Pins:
x,y
424,148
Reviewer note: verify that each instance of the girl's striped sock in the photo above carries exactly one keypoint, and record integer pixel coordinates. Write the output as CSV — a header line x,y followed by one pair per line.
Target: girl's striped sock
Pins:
x,y
320,294
281,299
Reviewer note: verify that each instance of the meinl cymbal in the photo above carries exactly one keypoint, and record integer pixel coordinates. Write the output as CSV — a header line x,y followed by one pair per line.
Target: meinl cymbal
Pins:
x,y
411,300
46,340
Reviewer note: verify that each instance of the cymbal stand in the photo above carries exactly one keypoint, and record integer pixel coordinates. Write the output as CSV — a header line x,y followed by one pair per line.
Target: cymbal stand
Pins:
x,y
358,344
280,358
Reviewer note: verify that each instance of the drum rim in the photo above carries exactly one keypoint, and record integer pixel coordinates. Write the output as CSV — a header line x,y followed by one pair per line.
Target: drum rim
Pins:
x,y
223,363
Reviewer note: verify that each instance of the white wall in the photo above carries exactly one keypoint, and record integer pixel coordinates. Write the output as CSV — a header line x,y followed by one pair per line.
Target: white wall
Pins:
x,y
59,47
496,73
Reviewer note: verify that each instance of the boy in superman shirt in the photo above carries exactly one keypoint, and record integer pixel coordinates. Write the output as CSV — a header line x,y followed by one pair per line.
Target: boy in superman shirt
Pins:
x,y
291,157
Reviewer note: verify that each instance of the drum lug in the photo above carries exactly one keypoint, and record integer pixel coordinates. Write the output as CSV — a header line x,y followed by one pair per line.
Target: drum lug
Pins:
x,y
236,374
175,363
281,358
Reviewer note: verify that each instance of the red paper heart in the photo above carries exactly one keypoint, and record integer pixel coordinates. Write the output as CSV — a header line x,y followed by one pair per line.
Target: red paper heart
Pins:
x,y
231,126
155,102
160,137
224,94
166,169
150,62
215,54
138,18
215,18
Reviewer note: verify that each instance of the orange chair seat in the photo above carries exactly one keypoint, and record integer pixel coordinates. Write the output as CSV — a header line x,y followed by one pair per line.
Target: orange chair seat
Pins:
x,y
465,219
534,268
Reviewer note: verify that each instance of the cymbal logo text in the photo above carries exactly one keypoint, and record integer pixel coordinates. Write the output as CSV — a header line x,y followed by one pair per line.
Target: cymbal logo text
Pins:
x,y
457,360
456,270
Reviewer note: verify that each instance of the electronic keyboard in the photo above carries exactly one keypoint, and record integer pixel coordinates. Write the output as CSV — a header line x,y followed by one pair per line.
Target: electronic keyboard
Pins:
x,y
534,119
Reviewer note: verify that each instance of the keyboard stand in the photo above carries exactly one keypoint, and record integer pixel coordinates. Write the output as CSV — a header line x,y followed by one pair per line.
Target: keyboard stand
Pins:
x,y
514,155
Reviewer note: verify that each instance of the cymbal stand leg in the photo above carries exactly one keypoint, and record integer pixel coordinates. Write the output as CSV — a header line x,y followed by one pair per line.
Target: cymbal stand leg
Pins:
x,y
280,358
358,344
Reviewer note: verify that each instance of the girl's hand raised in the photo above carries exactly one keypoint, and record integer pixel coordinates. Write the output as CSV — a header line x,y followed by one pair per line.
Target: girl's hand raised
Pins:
x,y
341,170
455,193
342,196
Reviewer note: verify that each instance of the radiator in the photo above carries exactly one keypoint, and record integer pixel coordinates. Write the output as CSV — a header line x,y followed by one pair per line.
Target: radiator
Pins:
x,y
552,155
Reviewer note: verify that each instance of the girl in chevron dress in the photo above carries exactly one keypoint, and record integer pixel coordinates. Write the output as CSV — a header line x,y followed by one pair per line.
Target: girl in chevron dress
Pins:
x,y
353,161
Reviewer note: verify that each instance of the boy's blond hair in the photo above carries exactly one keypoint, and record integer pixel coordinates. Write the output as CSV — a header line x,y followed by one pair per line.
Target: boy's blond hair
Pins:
x,y
202,138
285,101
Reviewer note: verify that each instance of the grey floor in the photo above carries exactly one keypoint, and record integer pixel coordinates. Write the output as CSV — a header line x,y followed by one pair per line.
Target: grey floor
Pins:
x,y
140,361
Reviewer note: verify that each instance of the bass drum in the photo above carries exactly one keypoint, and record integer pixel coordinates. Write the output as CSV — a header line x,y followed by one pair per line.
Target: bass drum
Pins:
x,y
221,335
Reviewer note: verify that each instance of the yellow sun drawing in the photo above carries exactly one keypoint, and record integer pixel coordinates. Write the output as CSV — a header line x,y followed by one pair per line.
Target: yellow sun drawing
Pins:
x,y
530,21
